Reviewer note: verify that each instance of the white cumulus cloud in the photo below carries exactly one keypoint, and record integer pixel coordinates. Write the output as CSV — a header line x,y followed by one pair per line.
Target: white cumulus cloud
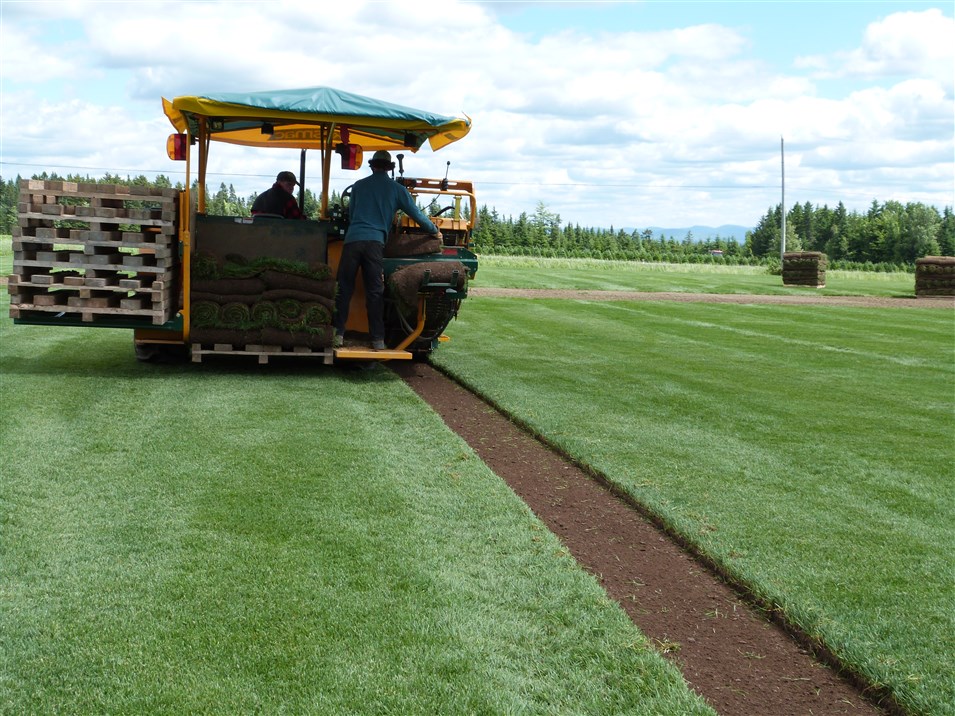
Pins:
x,y
676,126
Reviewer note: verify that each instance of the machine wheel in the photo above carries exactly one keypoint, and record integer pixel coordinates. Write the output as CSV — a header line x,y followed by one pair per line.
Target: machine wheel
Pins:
x,y
159,353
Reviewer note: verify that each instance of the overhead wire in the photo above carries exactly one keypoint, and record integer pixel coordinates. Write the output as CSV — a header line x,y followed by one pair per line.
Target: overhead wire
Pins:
x,y
579,185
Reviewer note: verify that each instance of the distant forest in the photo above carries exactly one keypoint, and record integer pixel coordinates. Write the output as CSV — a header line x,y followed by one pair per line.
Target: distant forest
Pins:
x,y
890,236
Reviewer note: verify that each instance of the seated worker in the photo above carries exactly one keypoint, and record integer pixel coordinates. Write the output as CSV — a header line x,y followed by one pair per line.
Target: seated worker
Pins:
x,y
279,200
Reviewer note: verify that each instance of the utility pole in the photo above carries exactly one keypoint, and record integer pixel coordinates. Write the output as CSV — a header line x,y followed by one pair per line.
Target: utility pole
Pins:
x,y
782,160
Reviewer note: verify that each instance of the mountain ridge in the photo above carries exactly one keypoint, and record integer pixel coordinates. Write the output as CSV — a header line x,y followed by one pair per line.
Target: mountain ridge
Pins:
x,y
699,232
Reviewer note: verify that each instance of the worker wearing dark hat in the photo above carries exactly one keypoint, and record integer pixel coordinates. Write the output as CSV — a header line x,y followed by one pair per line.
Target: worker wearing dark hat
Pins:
x,y
371,209
279,201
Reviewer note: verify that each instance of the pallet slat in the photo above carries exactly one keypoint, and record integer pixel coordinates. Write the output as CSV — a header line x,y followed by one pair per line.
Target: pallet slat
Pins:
x,y
262,353
85,313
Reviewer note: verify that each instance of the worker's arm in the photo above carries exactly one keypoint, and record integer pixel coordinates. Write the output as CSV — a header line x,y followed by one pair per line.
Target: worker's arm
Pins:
x,y
407,204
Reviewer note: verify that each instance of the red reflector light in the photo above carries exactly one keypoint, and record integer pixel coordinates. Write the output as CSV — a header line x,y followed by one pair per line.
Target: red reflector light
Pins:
x,y
176,146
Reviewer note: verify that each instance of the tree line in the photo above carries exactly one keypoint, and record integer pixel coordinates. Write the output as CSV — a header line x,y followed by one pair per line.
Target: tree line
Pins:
x,y
224,202
889,236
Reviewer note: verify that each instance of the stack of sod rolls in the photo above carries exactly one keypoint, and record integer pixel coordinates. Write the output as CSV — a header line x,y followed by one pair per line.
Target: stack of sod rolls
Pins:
x,y
405,283
412,244
265,301
804,268
935,276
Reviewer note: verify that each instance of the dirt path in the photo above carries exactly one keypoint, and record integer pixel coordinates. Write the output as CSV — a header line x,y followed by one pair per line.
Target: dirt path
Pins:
x,y
583,295
734,655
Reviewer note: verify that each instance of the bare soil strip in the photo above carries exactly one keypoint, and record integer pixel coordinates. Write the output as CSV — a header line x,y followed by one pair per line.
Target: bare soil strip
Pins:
x,y
857,301
738,657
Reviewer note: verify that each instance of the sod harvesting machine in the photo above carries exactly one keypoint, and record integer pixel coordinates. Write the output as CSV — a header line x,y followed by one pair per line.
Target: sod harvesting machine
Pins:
x,y
194,284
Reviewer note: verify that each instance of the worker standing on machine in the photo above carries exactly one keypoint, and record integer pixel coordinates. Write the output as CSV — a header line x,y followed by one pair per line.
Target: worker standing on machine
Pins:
x,y
371,209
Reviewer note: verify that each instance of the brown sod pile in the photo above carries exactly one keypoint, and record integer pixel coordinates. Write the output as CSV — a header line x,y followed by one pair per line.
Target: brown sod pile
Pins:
x,y
935,276
804,268
262,302
227,286
416,244
407,282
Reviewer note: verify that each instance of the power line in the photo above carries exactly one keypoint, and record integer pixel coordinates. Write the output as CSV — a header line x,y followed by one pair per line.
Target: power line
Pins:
x,y
577,185
571,185
632,186
46,167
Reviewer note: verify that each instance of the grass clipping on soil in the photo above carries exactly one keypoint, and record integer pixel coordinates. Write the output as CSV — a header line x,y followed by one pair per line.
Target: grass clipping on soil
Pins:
x,y
262,302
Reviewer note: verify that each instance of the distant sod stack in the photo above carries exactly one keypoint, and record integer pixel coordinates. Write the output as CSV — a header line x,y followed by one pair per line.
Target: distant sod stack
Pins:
x,y
804,268
935,276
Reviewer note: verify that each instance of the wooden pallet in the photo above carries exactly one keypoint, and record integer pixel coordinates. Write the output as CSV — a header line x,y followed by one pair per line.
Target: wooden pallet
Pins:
x,y
261,352
87,312
88,250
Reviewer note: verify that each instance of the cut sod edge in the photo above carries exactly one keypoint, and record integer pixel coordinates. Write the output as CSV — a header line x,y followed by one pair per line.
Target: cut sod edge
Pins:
x,y
877,694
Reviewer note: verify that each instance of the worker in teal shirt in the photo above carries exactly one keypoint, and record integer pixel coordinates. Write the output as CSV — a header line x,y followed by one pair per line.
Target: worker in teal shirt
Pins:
x,y
371,210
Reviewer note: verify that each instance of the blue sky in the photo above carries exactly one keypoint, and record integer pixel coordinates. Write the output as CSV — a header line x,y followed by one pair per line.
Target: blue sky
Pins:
x,y
816,25
776,31
620,113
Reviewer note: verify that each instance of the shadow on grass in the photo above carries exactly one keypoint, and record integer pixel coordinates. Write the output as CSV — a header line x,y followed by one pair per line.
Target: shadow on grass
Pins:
x,y
102,354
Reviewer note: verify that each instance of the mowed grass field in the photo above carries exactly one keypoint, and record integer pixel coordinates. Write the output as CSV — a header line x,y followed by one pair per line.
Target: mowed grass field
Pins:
x,y
809,450
585,274
224,538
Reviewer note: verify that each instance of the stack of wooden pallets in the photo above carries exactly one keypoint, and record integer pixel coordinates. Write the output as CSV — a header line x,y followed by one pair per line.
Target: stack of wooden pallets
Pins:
x,y
92,251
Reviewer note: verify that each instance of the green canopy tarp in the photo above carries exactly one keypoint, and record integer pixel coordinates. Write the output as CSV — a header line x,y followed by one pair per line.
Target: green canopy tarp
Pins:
x,y
312,118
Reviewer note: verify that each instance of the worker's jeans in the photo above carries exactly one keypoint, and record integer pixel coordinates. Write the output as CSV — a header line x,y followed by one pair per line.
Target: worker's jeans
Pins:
x,y
366,255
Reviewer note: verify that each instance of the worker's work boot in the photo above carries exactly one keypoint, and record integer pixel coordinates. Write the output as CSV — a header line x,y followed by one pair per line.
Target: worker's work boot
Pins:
x,y
378,345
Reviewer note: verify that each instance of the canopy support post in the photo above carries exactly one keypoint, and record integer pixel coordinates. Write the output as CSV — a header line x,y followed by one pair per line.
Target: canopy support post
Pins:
x,y
326,164
301,183
204,141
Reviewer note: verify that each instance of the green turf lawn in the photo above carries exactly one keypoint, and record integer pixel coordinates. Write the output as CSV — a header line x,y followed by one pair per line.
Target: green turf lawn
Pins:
x,y
522,272
226,538
807,449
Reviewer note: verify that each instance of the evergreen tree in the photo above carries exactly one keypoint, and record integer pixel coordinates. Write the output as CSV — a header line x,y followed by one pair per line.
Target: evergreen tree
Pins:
x,y
946,233
806,228
837,244
9,197
483,235
762,239
522,231
920,226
